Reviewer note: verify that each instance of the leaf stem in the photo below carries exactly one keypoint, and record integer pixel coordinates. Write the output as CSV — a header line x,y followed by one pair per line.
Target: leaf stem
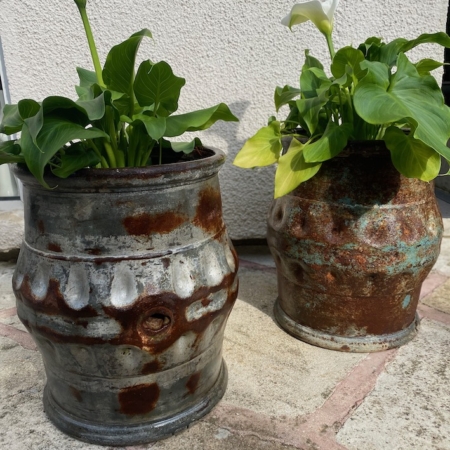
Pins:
x,y
132,145
330,45
145,150
111,156
381,132
90,38
103,161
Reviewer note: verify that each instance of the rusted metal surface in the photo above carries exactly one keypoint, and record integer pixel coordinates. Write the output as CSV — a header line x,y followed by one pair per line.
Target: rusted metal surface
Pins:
x,y
352,247
126,284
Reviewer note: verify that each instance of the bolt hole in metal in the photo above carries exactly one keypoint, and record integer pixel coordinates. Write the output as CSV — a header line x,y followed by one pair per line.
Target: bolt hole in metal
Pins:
x,y
157,322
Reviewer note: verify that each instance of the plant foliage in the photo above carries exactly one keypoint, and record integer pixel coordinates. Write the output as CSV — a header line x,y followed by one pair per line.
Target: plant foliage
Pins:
x,y
121,118
374,92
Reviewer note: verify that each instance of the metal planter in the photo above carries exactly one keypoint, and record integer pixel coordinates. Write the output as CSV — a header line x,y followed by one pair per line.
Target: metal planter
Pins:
x,y
353,246
125,280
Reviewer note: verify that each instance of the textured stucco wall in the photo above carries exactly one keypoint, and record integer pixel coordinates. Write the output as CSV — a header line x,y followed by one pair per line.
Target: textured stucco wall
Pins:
x,y
229,50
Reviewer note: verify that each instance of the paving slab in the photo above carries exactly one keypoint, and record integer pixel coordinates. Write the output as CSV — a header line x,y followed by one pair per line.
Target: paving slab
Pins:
x,y
410,405
439,298
7,298
13,321
212,437
269,371
12,227
22,419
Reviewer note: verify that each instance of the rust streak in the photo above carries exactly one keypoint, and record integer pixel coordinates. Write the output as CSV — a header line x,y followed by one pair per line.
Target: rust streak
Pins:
x,y
209,211
146,224
192,383
41,227
54,247
94,251
151,367
140,399
76,393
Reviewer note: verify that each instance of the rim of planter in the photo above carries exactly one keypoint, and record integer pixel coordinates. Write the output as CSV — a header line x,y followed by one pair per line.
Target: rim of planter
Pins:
x,y
156,176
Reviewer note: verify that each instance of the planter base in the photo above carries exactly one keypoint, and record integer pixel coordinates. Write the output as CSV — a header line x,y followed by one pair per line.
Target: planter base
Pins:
x,y
363,344
117,435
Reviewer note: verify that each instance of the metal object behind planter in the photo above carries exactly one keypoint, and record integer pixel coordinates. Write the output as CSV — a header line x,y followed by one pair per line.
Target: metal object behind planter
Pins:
x,y
125,280
353,246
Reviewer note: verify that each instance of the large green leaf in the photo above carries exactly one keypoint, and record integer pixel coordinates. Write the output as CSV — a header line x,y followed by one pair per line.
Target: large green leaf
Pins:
x,y
10,153
198,120
87,77
12,121
95,108
284,95
407,97
81,111
34,158
332,142
120,102
412,157
263,149
186,147
42,138
310,61
425,66
155,126
312,80
347,57
56,132
390,51
14,115
293,170
294,120
76,157
440,38
371,48
310,108
156,85
118,72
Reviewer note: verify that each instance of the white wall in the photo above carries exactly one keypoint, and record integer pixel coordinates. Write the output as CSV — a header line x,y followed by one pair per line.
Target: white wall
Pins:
x,y
234,51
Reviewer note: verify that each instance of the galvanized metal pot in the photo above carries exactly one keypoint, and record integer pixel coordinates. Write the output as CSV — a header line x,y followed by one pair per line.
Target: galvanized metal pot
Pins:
x,y
352,247
125,280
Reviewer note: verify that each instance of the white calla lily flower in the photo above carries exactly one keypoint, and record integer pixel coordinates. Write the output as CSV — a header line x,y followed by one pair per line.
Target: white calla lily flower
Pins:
x,y
320,12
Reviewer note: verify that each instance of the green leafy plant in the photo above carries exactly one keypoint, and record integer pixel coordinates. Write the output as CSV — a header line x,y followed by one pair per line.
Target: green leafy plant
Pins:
x,y
120,119
374,93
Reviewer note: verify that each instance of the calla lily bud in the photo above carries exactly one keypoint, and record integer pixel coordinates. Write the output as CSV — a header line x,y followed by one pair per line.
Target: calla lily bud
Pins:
x,y
320,12
81,3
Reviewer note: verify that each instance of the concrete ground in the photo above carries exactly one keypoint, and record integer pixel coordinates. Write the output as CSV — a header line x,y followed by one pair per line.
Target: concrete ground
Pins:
x,y
282,393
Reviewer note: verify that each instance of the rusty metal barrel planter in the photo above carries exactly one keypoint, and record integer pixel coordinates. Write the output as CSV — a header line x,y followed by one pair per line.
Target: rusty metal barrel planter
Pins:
x,y
353,246
125,280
